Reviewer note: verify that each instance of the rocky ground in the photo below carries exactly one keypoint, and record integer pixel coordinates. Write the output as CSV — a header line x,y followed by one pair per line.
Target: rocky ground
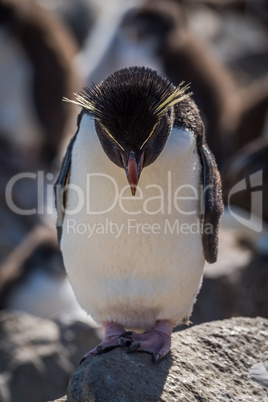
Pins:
x,y
37,356
208,362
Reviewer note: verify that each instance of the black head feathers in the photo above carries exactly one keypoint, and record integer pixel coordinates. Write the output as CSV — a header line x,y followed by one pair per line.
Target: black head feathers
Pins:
x,y
130,103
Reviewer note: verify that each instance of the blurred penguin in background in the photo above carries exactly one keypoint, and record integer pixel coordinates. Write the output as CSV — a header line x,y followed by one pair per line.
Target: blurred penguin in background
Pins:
x,y
156,35
33,278
168,36
35,72
236,32
78,15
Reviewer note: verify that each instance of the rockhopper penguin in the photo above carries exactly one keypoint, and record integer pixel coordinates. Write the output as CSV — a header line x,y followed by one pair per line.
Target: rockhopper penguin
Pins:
x,y
137,262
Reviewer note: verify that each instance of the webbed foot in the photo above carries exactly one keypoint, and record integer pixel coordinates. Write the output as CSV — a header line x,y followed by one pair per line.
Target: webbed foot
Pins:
x,y
157,341
112,339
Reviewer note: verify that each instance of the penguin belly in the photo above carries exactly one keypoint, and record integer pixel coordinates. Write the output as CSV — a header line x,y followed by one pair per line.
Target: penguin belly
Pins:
x,y
134,260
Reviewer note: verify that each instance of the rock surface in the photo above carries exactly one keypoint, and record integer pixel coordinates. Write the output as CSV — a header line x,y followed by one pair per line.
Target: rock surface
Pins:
x,y
37,356
259,372
208,362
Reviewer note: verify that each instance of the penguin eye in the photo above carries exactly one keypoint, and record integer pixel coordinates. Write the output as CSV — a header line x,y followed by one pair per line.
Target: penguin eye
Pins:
x,y
150,135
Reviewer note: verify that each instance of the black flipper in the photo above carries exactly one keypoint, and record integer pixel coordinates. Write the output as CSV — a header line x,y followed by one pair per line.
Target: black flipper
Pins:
x,y
211,204
62,182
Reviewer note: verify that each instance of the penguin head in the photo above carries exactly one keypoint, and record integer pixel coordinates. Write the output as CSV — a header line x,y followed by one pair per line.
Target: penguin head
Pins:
x,y
134,116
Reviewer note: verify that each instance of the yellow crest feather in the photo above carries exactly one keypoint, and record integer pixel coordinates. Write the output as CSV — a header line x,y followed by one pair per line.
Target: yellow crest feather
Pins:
x,y
149,136
175,97
81,101
112,137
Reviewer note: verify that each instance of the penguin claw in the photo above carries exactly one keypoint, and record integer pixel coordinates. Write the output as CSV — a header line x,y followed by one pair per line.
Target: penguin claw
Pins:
x,y
125,342
99,350
105,349
156,342
105,346
122,342
134,347
157,357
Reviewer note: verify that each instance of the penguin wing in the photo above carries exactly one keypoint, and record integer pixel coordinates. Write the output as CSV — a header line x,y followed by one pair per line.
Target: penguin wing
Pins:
x,y
211,204
61,183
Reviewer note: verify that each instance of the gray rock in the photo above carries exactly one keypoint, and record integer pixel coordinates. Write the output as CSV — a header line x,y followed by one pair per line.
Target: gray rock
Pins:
x,y
209,362
259,372
37,356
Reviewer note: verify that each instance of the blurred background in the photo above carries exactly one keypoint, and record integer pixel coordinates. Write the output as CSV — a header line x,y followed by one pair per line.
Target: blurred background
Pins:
x,y
52,48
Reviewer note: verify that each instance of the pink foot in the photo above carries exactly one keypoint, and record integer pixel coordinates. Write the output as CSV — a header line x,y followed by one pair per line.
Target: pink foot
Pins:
x,y
156,341
112,339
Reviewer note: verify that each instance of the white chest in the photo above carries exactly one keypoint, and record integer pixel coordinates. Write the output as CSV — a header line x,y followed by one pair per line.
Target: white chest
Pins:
x,y
134,259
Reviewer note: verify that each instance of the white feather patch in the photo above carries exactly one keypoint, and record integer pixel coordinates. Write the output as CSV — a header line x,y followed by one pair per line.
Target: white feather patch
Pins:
x,y
136,263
